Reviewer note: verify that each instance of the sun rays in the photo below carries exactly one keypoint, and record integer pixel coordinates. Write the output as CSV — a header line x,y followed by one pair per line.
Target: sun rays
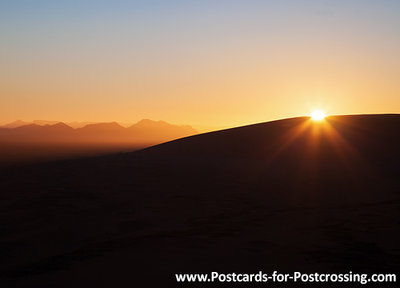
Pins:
x,y
314,134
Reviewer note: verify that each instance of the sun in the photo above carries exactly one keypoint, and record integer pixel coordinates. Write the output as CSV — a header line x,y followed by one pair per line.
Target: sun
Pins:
x,y
318,115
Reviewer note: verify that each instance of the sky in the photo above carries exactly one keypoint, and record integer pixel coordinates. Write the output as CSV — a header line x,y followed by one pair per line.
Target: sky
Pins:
x,y
209,64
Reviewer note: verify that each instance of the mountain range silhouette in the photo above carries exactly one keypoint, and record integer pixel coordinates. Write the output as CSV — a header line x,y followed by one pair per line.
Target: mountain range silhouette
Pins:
x,y
39,141
144,131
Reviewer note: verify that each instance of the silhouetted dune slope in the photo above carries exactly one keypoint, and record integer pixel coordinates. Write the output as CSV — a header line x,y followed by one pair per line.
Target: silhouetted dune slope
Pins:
x,y
288,195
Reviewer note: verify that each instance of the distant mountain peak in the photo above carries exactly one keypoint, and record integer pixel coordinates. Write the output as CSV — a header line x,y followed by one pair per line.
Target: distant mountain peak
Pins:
x,y
103,125
148,123
60,125
15,124
44,122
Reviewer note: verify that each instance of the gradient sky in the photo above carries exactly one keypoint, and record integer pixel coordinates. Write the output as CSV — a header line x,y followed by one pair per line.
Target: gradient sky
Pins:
x,y
206,63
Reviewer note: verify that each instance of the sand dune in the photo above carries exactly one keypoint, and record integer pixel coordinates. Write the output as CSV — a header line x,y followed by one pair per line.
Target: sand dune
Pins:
x,y
288,195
